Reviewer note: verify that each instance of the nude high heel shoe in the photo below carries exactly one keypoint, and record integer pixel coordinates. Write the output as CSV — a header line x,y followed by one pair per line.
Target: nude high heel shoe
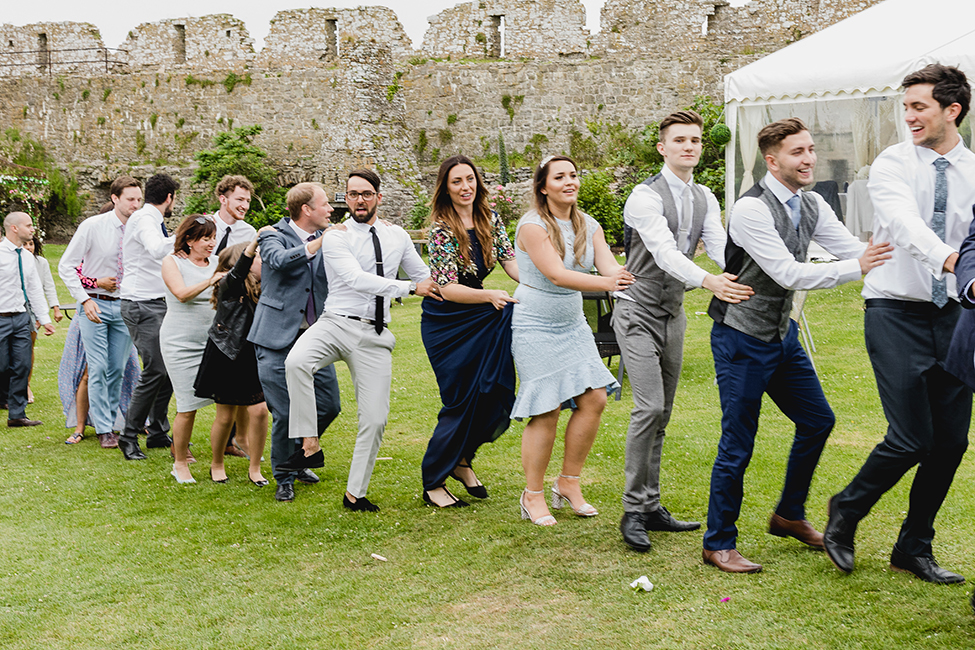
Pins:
x,y
559,500
547,520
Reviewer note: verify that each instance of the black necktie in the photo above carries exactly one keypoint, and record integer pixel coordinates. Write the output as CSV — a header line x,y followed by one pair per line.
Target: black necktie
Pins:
x,y
380,273
164,231
223,242
310,312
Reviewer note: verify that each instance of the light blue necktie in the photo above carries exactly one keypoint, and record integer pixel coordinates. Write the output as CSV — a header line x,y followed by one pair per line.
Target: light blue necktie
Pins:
x,y
939,290
793,204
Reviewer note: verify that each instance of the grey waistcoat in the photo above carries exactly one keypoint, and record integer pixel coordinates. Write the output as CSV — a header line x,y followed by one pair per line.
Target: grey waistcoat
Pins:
x,y
766,314
658,291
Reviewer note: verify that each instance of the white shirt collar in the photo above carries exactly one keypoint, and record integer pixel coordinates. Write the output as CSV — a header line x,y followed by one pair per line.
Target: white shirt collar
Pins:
x,y
361,227
781,192
9,245
302,235
928,156
677,186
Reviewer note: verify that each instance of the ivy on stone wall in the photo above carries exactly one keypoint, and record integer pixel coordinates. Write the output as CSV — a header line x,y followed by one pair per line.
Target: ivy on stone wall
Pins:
x,y
32,181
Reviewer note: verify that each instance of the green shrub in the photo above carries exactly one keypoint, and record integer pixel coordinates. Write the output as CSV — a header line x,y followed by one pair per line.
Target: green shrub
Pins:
x,y
596,200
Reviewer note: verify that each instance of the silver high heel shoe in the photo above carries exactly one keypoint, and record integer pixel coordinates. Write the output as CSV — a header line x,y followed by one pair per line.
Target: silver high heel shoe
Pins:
x,y
559,500
175,475
547,520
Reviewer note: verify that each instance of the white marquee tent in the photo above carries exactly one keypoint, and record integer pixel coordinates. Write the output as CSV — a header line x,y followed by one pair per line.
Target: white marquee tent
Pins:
x,y
844,83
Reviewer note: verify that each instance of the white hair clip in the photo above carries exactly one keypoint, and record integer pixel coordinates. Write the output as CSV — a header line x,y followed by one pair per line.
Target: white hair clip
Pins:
x,y
545,161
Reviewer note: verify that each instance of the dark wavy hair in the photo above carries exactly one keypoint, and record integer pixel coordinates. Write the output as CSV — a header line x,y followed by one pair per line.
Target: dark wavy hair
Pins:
x,y
950,86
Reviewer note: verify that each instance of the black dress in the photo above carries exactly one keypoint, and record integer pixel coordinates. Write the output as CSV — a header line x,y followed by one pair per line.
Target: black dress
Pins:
x,y
225,380
469,347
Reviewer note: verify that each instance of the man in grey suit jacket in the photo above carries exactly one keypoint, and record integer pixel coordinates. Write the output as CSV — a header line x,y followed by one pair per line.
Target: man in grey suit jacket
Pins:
x,y
293,290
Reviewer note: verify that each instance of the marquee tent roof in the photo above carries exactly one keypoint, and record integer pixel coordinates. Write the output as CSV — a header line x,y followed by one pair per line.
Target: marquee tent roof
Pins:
x,y
866,54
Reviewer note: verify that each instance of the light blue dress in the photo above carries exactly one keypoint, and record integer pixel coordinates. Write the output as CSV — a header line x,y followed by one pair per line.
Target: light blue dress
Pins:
x,y
552,343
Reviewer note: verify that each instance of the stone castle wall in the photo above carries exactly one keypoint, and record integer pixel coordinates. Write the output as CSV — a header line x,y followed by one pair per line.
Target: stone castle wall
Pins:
x,y
339,88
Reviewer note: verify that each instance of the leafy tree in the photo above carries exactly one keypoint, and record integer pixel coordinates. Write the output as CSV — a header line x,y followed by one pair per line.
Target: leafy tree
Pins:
x,y
235,153
32,181
596,200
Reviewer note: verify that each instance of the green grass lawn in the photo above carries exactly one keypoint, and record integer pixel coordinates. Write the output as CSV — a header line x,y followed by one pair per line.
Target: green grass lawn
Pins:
x,y
96,552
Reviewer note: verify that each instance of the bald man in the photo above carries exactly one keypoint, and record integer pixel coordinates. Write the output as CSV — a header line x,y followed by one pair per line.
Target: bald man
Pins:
x,y
20,288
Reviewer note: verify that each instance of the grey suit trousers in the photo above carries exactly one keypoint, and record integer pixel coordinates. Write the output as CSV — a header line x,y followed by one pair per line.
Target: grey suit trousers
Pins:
x,y
326,404
652,348
150,398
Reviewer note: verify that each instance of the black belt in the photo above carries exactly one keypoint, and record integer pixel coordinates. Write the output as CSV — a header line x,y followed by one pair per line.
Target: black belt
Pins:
x,y
913,306
361,320
101,296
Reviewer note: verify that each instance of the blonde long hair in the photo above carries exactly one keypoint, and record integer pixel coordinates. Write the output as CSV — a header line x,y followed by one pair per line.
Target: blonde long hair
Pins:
x,y
541,206
443,212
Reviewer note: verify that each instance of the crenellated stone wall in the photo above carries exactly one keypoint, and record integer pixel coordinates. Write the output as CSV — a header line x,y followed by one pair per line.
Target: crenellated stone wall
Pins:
x,y
301,38
336,89
214,42
509,28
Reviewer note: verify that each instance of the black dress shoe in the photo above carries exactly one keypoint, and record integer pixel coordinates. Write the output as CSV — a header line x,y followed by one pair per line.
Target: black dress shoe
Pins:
x,y
23,422
838,539
361,504
285,492
130,449
924,567
158,441
456,503
298,461
478,491
661,519
307,477
634,531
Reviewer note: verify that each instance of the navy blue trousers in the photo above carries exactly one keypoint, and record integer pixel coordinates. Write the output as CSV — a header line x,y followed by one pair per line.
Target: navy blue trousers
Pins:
x,y
15,348
746,369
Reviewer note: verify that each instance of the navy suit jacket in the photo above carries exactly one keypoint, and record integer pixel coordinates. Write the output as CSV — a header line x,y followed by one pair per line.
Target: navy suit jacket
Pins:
x,y
286,279
961,354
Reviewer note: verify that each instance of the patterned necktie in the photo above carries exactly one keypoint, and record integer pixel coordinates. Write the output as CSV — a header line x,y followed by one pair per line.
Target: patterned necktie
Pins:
x,y
310,315
223,242
686,215
20,268
793,204
119,270
378,321
939,289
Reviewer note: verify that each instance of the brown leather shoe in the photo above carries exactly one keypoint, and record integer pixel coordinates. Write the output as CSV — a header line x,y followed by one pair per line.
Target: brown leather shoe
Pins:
x,y
234,450
798,528
730,560
23,422
108,440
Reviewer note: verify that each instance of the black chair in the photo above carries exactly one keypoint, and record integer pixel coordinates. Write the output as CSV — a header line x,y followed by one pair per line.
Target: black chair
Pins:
x,y
598,308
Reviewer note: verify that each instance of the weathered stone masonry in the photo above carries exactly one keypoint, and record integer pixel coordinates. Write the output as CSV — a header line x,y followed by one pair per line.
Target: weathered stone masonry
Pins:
x,y
339,88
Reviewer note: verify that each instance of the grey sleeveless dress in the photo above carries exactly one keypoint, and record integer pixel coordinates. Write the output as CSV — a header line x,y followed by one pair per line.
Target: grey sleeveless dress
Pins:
x,y
183,335
553,346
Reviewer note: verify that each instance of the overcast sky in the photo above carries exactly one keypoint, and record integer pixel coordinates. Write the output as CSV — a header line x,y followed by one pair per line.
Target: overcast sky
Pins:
x,y
114,19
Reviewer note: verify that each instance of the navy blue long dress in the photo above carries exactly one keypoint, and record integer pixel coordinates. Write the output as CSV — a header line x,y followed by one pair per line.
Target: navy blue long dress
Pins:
x,y
469,347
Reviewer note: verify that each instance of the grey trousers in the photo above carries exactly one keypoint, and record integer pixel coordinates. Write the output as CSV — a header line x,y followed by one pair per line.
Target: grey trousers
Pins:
x,y
150,399
15,361
369,357
652,348
270,368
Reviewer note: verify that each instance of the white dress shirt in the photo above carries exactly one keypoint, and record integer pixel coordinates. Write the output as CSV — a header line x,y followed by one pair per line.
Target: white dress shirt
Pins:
x,y
143,250
644,212
95,243
11,292
47,282
241,232
902,191
350,265
753,228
